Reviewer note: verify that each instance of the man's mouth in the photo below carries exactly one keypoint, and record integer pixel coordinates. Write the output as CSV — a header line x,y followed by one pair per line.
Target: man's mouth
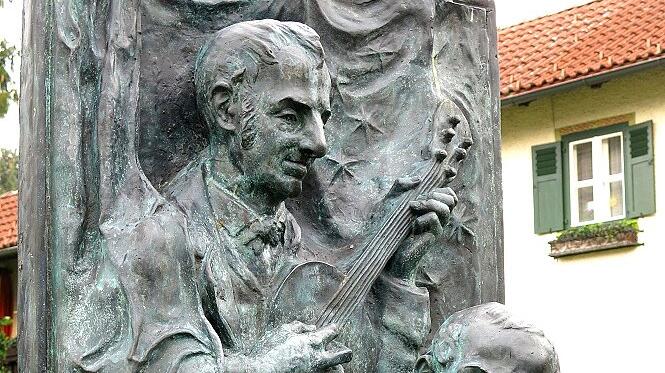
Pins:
x,y
295,168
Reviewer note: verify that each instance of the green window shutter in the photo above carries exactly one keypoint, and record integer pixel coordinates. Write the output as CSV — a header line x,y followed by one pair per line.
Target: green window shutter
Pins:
x,y
639,172
547,188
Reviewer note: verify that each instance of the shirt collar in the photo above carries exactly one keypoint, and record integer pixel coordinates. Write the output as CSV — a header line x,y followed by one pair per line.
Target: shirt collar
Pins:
x,y
234,215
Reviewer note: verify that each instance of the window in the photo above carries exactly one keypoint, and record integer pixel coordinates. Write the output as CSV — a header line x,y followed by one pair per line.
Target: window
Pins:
x,y
596,179
594,176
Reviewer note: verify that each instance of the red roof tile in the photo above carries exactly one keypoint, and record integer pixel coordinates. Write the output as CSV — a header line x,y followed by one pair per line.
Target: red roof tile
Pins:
x,y
592,39
8,220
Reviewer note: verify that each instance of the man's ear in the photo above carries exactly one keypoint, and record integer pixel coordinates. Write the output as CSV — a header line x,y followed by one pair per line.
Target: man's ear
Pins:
x,y
424,364
221,102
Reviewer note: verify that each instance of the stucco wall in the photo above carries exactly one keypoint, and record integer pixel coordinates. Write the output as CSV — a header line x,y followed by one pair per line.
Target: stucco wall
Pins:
x,y
603,311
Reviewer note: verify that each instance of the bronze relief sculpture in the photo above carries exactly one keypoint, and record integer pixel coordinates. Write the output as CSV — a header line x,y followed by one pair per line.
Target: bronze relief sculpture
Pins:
x,y
264,88
227,192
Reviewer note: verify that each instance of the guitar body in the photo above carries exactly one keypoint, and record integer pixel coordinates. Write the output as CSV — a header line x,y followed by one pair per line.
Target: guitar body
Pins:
x,y
304,293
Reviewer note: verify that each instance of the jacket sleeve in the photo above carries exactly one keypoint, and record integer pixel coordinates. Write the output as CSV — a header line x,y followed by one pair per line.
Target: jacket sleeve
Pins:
x,y
404,322
156,266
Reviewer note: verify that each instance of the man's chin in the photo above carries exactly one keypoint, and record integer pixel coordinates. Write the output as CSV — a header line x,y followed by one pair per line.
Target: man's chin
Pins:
x,y
287,186
295,188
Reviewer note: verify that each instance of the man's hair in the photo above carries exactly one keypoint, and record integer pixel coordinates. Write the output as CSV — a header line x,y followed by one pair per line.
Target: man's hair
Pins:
x,y
236,54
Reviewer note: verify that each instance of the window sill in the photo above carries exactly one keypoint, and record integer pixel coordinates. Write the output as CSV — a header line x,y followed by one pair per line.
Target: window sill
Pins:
x,y
588,245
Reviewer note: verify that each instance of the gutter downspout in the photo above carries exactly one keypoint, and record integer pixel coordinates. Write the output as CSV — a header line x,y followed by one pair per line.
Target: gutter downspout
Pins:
x,y
10,252
592,80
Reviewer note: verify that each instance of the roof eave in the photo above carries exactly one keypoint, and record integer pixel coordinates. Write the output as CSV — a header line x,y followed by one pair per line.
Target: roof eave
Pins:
x,y
589,80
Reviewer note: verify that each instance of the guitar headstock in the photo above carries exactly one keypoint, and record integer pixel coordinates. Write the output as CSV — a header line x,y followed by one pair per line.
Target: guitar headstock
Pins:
x,y
450,138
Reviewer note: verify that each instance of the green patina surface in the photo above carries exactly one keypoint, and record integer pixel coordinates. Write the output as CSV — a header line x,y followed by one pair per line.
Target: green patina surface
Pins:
x,y
111,280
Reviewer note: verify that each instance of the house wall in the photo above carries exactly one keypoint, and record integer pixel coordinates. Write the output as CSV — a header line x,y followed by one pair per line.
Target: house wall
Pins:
x,y
603,311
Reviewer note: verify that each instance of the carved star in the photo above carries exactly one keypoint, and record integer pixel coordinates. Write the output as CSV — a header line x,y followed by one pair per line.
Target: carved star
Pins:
x,y
343,169
458,224
383,52
366,124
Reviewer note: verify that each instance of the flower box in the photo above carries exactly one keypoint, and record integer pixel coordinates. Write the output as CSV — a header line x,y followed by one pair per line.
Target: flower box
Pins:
x,y
566,247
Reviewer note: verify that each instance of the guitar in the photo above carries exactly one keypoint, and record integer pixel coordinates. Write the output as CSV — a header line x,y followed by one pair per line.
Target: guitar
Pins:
x,y
318,293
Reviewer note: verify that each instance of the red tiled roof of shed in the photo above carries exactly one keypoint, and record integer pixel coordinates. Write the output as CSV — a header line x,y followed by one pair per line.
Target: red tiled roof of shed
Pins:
x,y
8,220
592,39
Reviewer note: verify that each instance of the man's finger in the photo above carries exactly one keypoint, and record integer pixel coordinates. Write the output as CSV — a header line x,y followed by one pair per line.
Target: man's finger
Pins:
x,y
403,184
443,197
447,190
338,356
324,335
430,205
428,223
299,327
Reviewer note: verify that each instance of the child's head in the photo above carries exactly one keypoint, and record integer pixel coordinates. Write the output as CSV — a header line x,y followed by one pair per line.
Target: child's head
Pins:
x,y
488,339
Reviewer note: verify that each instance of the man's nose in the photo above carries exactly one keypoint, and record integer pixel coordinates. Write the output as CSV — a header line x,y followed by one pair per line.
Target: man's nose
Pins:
x,y
313,141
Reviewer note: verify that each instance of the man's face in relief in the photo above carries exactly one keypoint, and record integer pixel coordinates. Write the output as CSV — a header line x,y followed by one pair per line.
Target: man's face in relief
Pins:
x,y
290,103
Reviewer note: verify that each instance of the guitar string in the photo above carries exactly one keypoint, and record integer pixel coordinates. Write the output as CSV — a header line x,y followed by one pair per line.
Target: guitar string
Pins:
x,y
352,278
380,242
375,270
345,287
379,259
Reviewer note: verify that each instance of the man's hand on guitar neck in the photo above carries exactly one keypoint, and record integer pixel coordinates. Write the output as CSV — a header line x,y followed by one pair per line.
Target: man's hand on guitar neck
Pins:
x,y
432,211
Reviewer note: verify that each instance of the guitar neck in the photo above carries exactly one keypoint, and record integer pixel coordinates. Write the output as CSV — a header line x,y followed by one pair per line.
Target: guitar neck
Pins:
x,y
378,251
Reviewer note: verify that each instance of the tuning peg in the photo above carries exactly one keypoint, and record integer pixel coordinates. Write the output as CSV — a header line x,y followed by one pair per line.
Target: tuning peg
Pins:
x,y
466,143
459,154
439,154
454,121
447,135
450,172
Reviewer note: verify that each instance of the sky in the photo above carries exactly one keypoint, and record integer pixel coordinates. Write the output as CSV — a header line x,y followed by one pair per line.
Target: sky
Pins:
x,y
509,12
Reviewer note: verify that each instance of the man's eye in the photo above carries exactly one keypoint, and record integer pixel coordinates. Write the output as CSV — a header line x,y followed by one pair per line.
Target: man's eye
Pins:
x,y
288,116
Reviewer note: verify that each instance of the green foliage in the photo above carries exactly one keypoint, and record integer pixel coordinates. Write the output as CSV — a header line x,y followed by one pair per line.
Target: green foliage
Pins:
x,y
8,171
7,93
607,230
5,343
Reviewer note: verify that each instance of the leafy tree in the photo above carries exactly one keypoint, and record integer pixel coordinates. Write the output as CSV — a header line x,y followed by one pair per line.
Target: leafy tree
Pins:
x,y
8,159
7,93
8,171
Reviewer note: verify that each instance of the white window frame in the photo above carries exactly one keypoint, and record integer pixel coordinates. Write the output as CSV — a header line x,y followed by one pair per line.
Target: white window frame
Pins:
x,y
600,180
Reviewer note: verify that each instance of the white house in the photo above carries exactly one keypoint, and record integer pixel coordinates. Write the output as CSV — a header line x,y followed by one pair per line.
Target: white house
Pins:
x,y
583,133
